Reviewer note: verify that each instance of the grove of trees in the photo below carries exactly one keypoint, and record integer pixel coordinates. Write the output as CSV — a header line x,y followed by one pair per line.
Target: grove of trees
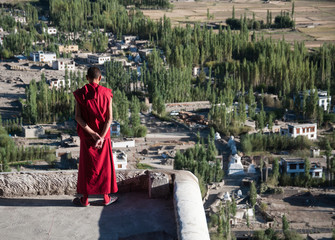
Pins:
x,y
12,155
201,160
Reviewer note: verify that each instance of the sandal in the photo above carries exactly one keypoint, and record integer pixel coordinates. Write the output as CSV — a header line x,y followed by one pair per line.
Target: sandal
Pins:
x,y
112,199
77,201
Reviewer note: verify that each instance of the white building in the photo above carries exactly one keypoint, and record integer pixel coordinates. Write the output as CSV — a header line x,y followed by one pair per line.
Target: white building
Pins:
x,y
33,131
98,58
196,70
296,166
120,160
123,61
123,144
20,19
122,46
308,130
115,51
129,39
41,56
68,48
324,100
62,64
145,52
50,30
58,83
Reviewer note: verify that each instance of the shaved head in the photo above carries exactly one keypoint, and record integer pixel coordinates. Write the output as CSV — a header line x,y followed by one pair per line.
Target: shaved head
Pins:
x,y
93,73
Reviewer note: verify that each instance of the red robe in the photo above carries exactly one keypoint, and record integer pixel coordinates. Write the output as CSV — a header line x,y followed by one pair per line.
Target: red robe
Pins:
x,y
96,174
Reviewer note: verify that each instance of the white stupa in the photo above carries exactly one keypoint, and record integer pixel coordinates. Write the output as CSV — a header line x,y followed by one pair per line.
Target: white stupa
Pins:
x,y
217,136
235,166
252,169
227,197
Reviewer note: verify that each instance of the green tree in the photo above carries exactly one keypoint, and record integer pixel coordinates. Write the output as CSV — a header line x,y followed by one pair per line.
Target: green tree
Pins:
x,y
253,194
285,224
307,172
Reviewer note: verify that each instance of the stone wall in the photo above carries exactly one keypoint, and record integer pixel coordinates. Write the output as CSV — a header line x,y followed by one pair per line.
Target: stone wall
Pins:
x,y
19,184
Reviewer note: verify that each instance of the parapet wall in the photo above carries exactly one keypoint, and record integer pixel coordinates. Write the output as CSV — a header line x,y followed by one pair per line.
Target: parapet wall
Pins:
x,y
20,184
182,185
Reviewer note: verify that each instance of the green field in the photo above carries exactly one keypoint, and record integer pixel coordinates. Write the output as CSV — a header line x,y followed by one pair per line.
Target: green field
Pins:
x,y
315,20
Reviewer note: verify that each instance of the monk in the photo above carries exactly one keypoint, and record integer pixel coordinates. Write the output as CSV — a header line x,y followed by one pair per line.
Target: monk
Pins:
x,y
96,174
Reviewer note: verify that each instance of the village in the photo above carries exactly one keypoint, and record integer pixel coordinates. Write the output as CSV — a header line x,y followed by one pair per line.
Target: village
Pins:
x,y
310,210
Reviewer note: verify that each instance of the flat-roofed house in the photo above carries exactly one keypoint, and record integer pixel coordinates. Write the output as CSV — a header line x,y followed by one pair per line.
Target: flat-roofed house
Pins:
x,y
33,131
120,159
50,30
67,49
58,83
128,39
323,99
20,19
98,58
62,64
294,166
41,56
308,130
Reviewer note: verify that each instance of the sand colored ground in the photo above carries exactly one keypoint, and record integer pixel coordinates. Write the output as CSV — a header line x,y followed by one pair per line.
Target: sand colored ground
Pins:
x,y
315,20
304,209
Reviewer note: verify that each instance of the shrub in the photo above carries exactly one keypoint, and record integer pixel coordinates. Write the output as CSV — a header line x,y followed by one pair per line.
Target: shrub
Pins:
x,y
140,131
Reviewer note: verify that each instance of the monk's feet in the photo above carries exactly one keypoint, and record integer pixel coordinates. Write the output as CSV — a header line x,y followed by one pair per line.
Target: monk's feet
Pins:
x,y
110,200
81,202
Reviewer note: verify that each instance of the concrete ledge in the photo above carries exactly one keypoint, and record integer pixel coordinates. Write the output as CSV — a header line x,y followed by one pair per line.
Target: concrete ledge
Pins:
x,y
34,183
38,183
190,214
182,185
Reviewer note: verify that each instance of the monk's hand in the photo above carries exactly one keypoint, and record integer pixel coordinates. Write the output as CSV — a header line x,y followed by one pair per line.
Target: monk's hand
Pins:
x,y
95,136
99,143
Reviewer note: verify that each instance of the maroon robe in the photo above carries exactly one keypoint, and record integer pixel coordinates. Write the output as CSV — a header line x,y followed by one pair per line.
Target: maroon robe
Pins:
x,y
96,174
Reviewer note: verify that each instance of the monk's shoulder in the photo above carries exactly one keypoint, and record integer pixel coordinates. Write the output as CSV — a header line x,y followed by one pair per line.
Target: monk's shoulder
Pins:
x,y
79,94
106,91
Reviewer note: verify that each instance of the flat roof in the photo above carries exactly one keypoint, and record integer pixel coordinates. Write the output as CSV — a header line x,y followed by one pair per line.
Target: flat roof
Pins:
x,y
302,125
55,217
292,159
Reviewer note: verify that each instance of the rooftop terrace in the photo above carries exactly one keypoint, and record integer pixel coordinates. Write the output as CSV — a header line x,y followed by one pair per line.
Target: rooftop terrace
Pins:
x,y
160,204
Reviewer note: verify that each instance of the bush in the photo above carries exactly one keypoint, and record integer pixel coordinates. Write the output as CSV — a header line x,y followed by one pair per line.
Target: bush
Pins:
x,y
285,180
329,117
264,206
143,166
283,21
140,131
144,107
127,131
235,24
214,220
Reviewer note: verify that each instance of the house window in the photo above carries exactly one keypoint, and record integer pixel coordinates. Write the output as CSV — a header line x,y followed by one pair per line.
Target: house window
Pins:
x,y
119,166
293,166
290,130
312,129
301,165
298,130
312,136
303,130
317,174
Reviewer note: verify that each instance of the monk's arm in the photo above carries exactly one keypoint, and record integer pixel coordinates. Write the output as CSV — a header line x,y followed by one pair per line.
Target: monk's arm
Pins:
x,y
83,124
109,120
